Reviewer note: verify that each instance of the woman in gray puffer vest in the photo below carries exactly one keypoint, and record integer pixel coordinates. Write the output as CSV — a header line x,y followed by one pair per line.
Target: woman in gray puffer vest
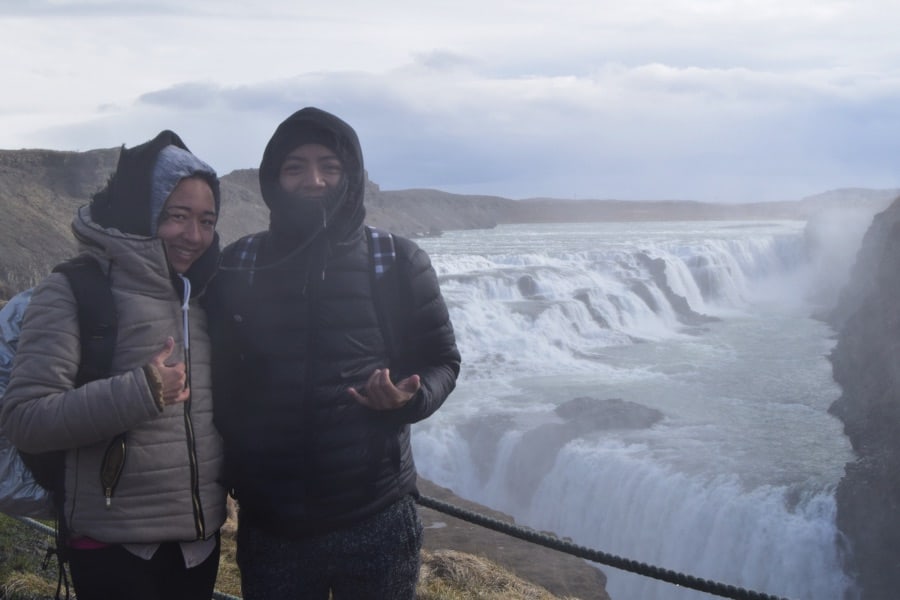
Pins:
x,y
152,531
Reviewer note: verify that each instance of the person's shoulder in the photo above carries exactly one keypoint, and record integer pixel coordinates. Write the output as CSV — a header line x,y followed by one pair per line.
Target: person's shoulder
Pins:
x,y
405,246
238,250
53,295
412,258
53,286
242,242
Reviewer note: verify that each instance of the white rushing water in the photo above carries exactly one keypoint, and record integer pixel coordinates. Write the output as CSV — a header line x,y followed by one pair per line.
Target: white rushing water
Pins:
x,y
734,478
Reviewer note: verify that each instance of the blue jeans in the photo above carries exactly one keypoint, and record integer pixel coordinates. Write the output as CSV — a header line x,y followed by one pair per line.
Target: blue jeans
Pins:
x,y
376,559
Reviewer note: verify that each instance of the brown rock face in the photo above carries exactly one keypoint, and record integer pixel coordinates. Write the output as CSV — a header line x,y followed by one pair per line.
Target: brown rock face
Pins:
x,y
563,575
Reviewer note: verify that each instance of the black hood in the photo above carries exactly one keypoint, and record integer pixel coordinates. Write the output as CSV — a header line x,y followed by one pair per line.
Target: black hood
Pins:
x,y
124,203
342,216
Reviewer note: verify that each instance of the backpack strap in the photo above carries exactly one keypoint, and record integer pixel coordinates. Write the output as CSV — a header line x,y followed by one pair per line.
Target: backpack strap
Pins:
x,y
382,257
97,329
242,254
97,319
381,249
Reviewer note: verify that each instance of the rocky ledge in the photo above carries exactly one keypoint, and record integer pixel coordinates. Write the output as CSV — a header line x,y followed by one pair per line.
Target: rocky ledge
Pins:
x,y
866,363
562,574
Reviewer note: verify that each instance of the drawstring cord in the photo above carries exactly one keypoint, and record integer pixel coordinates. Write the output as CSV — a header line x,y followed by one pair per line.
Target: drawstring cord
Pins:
x,y
185,307
185,324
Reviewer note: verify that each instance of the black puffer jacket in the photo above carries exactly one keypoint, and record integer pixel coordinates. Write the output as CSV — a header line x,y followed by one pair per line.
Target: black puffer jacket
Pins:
x,y
292,335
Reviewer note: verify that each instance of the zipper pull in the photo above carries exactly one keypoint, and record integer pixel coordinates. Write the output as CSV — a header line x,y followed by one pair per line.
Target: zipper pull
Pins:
x,y
111,467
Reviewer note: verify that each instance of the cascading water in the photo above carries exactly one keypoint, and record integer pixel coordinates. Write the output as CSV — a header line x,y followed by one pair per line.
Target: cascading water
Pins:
x,y
654,390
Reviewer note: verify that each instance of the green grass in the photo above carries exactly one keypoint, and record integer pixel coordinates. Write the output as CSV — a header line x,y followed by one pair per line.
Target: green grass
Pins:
x,y
22,551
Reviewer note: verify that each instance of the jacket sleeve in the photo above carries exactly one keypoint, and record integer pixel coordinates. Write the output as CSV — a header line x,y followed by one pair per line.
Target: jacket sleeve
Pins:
x,y
42,411
428,344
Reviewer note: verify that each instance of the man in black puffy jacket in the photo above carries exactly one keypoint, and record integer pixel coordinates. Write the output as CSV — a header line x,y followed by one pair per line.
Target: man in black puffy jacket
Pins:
x,y
318,375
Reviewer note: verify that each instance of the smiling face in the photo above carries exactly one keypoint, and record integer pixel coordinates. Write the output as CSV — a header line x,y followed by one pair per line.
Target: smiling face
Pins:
x,y
310,171
187,225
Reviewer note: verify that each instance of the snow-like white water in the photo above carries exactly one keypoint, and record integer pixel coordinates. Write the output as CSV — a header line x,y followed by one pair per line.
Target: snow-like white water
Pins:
x,y
735,482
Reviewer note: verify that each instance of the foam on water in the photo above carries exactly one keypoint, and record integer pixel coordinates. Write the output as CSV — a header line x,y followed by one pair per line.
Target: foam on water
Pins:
x,y
734,482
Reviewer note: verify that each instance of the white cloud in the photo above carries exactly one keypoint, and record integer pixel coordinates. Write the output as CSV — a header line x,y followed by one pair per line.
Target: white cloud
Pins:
x,y
712,100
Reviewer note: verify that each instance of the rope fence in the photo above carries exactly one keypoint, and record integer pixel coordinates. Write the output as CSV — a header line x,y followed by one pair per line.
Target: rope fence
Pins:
x,y
529,535
624,564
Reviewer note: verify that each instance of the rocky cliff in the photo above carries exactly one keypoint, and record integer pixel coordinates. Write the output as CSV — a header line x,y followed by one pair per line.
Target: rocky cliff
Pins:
x,y
41,189
866,363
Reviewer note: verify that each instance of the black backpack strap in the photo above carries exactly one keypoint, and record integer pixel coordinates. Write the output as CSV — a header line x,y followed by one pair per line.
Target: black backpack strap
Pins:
x,y
97,322
97,328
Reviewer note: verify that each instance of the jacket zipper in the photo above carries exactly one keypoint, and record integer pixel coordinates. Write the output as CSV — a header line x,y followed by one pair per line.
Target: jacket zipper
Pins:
x,y
111,467
188,423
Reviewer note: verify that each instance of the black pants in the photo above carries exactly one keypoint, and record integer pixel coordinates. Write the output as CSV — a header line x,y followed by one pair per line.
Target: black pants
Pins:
x,y
115,573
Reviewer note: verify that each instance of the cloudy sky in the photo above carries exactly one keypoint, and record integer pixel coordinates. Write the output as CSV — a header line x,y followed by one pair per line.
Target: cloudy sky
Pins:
x,y
712,100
